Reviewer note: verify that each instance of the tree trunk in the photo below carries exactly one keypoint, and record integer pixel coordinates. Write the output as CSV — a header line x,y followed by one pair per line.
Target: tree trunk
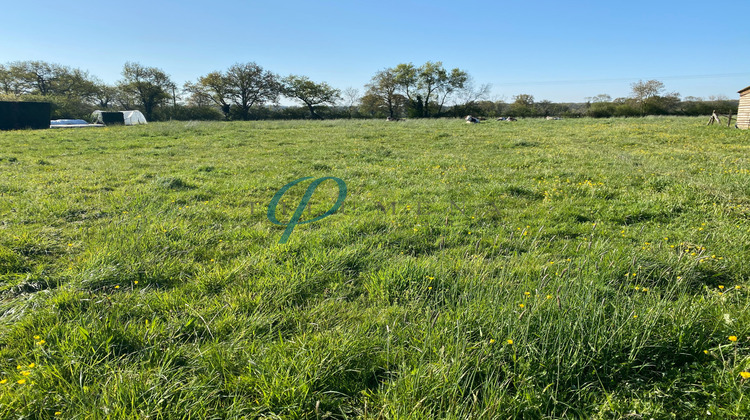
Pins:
x,y
313,114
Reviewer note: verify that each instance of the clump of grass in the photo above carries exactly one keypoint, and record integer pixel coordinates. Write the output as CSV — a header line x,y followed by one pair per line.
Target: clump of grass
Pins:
x,y
172,183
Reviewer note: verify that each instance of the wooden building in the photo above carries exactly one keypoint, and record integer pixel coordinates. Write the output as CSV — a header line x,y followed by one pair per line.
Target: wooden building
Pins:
x,y
743,111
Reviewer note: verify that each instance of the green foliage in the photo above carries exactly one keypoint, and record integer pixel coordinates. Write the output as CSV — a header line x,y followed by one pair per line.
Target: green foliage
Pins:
x,y
310,93
602,110
522,106
72,92
425,89
242,86
188,113
148,87
246,91
627,109
382,97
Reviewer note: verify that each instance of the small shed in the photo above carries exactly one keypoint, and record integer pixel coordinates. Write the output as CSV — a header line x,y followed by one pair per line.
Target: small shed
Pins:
x,y
743,111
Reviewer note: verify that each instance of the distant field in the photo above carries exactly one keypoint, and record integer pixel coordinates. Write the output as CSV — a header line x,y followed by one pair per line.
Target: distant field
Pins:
x,y
537,269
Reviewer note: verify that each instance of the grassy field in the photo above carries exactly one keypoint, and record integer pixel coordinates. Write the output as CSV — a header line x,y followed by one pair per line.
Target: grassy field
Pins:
x,y
537,269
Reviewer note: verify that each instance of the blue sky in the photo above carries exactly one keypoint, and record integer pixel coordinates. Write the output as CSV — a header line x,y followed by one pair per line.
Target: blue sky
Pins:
x,y
555,50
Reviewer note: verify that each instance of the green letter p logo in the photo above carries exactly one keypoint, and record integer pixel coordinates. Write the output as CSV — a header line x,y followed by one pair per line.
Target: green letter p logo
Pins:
x,y
294,221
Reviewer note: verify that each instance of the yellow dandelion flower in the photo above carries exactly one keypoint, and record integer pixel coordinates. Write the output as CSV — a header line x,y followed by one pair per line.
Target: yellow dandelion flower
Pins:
x,y
492,340
509,341
549,296
31,366
745,375
521,305
135,282
40,342
732,338
21,381
721,287
36,337
25,372
635,316
705,351
57,413
3,381
117,287
738,287
526,293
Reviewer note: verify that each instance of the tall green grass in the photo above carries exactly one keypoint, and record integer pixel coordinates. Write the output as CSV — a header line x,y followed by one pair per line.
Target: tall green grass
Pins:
x,y
537,269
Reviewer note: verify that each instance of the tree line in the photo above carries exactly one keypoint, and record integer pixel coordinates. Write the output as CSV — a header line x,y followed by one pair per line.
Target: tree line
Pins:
x,y
247,91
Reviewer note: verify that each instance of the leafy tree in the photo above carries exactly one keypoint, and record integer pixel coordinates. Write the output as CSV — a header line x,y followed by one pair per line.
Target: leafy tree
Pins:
x,y
602,97
643,90
75,83
6,81
126,100
35,77
249,84
242,85
649,96
382,91
148,86
10,82
522,106
545,108
430,78
371,105
49,79
310,93
406,78
105,95
199,97
437,83
428,86
71,91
